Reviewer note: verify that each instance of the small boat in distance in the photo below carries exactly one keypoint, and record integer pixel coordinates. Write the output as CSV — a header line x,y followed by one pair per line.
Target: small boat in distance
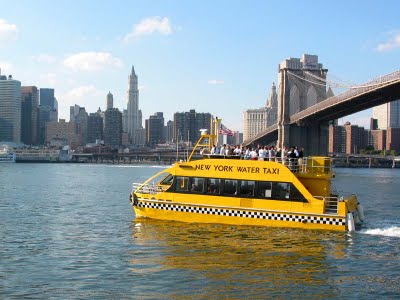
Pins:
x,y
228,190
6,155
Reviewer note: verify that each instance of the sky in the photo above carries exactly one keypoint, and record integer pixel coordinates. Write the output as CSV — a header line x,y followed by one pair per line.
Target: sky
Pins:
x,y
215,56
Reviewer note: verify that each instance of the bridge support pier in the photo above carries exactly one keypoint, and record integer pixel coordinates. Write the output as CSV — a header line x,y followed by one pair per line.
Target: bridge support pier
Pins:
x,y
314,139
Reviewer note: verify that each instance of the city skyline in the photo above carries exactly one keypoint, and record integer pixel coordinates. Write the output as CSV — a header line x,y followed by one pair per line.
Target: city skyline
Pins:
x,y
224,63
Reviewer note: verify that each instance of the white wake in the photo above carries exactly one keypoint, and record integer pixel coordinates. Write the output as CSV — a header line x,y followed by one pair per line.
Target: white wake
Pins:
x,y
389,231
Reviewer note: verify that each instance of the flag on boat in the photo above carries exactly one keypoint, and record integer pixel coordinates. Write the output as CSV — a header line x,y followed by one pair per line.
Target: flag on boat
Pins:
x,y
225,131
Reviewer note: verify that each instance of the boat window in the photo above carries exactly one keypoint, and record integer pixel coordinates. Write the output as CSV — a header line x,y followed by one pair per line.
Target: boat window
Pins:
x,y
182,184
281,190
213,185
230,187
295,194
167,180
264,189
197,185
246,188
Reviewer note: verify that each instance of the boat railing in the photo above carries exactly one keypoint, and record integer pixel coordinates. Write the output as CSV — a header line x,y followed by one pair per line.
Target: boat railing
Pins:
x,y
151,189
310,165
330,204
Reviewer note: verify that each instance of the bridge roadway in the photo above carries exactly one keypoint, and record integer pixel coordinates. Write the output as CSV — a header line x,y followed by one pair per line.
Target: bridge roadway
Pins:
x,y
381,90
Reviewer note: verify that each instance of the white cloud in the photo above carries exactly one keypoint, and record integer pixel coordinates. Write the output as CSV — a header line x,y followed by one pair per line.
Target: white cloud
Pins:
x,y
216,81
49,79
87,96
5,67
91,61
44,58
82,91
149,26
393,43
8,32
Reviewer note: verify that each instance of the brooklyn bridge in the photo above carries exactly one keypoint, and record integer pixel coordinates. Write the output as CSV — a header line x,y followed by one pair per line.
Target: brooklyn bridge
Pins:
x,y
305,109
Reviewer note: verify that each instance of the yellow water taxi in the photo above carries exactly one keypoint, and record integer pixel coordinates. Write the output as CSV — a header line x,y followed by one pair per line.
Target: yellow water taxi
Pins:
x,y
228,190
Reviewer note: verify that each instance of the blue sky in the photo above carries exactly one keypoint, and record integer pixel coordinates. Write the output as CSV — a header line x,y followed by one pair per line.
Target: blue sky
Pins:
x,y
212,56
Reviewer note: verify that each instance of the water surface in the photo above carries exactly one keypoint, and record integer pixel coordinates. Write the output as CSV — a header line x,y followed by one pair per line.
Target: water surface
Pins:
x,y
68,231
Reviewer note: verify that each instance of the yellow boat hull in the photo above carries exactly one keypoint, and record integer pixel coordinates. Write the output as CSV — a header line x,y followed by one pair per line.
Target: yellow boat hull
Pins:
x,y
185,212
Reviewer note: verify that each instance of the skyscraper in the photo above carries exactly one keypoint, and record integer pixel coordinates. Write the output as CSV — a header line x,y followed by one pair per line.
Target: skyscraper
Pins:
x,y
110,101
29,114
79,116
388,115
10,109
133,106
95,127
187,125
47,99
112,127
155,129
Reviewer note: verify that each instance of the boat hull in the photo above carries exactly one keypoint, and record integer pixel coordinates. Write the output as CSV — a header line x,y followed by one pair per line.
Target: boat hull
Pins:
x,y
194,213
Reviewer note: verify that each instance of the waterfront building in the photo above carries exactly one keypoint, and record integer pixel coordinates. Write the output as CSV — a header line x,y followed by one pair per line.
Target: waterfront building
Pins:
x,y
337,139
125,121
154,129
349,139
257,120
79,116
47,98
373,124
187,125
393,138
378,138
10,109
387,115
140,137
356,138
29,114
63,130
112,127
124,139
109,101
134,120
169,131
95,127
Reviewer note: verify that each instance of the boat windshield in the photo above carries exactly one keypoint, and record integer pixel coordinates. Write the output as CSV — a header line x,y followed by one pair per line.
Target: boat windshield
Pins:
x,y
167,180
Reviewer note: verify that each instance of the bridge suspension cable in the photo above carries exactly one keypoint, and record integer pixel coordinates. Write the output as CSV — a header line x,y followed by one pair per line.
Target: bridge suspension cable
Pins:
x,y
304,79
344,86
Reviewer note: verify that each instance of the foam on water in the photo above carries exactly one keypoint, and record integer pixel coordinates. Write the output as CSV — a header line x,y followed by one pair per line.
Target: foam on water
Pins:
x,y
389,231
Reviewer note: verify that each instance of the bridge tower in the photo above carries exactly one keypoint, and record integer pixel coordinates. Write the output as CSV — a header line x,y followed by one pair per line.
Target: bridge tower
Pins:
x,y
301,85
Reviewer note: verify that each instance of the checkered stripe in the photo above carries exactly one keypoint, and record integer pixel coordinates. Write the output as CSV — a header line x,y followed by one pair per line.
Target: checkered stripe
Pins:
x,y
243,213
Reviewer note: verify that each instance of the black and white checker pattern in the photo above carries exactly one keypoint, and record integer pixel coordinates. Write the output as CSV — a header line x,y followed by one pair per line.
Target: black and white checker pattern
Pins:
x,y
243,213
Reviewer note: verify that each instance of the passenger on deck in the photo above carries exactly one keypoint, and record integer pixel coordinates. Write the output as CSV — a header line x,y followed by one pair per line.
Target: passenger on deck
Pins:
x,y
284,153
237,151
253,154
247,153
271,153
214,149
222,150
261,154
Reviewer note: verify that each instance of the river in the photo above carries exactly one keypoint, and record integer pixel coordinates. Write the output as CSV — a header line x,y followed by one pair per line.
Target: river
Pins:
x,y
68,231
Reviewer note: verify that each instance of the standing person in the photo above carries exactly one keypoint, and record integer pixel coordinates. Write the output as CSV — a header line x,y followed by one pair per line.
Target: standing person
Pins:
x,y
278,154
253,154
237,150
301,154
260,153
247,153
213,149
222,150
271,153
284,154
292,159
